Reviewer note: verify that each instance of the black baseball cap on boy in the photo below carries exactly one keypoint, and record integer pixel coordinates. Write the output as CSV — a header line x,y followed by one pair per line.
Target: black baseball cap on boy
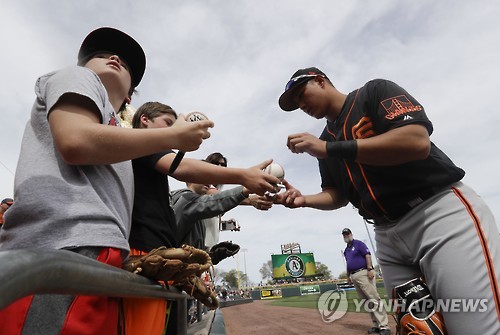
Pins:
x,y
107,39
300,77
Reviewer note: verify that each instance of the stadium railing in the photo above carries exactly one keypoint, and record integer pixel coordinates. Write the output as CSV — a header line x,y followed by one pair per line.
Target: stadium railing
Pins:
x,y
25,272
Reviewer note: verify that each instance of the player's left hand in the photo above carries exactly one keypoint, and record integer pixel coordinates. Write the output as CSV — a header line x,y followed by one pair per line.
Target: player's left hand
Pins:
x,y
305,142
291,198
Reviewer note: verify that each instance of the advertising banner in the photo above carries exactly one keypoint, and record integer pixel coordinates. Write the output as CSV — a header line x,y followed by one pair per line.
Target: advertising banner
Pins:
x,y
309,289
270,293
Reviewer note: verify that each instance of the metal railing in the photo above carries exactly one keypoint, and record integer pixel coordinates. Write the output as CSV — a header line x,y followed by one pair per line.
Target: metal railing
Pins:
x,y
25,272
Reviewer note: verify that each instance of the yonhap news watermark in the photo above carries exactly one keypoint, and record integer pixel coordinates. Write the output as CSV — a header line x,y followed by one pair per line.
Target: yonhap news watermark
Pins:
x,y
333,305
439,305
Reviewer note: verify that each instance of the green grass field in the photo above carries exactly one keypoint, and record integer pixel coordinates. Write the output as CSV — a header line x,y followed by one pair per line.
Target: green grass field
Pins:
x,y
311,300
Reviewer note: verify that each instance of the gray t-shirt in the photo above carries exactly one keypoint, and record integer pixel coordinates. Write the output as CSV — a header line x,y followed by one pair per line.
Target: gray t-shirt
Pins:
x,y
61,206
212,231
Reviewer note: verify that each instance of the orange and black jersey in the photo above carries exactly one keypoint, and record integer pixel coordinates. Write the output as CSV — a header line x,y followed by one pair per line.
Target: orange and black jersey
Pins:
x,y
383,191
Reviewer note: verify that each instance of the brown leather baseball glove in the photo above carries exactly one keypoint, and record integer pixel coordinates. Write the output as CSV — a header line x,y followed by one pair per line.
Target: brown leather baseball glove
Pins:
x,y
170,264
196,288
182,266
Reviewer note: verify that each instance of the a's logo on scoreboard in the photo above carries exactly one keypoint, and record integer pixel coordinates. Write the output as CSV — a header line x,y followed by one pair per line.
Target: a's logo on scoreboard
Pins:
x,y
295,266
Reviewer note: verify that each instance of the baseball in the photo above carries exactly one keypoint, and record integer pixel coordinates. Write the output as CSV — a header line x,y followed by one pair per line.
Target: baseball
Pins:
x,y
196,116
276,170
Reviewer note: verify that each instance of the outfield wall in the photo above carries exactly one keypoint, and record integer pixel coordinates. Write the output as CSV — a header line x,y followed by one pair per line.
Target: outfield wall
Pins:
x,y
284,291
290,291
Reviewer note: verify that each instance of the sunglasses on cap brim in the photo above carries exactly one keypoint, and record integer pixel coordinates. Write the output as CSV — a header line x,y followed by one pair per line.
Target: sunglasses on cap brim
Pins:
x,y
295,79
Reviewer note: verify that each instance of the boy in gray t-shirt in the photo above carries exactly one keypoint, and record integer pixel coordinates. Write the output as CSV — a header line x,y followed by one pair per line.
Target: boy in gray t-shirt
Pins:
x,y
74,183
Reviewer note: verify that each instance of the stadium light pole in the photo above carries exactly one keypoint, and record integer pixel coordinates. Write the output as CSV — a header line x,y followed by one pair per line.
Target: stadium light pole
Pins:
x,y
369,236
245,264
238,270
373,247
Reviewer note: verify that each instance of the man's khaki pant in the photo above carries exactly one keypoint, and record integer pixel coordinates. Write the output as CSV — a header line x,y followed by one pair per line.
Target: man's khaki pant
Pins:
x,y
367,289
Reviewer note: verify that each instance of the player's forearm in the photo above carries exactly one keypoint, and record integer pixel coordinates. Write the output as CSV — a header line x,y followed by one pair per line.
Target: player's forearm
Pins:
x,y
398,146
325,200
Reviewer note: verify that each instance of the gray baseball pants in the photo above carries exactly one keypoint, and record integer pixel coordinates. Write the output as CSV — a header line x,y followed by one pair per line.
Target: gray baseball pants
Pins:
x,y
453,242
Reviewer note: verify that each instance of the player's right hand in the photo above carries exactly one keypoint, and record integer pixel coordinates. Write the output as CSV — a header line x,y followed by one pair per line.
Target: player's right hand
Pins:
x,y
305,142
190,135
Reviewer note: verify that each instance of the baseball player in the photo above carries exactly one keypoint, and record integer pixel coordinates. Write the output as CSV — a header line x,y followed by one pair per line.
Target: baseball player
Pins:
x,y
375,152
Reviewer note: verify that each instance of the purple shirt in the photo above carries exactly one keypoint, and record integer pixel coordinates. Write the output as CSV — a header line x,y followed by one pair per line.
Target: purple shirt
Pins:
x,y
355,255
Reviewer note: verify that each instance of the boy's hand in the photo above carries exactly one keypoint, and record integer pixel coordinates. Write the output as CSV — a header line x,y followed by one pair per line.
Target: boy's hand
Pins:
x,y
190,135
261,202
258,181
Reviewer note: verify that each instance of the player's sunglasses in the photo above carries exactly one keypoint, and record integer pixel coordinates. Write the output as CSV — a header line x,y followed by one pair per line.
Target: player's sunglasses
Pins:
x,y
295,79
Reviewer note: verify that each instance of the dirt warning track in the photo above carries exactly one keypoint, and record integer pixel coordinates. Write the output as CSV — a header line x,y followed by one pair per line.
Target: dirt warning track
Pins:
x,y
259,317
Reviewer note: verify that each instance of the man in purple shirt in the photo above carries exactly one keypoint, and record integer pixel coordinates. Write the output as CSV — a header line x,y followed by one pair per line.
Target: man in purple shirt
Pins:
x,y
361,273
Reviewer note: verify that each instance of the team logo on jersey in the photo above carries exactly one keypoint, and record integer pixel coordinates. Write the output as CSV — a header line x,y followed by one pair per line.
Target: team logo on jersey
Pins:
x,y
399,105
363,129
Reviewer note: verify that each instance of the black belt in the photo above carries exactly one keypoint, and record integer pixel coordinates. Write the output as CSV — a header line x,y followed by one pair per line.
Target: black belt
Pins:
x,y
353,272
405,208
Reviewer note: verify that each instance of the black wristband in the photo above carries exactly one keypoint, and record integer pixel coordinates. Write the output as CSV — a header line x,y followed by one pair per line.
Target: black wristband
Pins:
x,y
175,163
342,149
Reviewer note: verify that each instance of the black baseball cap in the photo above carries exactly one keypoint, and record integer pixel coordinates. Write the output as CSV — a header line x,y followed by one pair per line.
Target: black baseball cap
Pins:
x,y
346,231
107,39
298,78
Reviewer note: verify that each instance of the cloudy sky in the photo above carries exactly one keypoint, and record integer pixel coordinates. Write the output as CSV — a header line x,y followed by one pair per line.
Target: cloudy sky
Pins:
x,y
231,60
